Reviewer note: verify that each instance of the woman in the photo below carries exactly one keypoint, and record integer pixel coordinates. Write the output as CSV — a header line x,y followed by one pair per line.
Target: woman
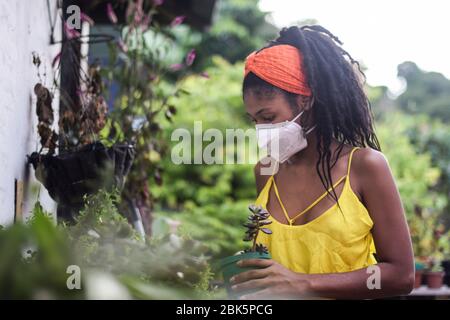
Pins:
x,y
338,226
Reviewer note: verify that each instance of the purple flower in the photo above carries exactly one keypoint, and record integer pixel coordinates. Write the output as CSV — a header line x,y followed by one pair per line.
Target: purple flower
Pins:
x,y
85,17
111,14
177,21
190,57
176,67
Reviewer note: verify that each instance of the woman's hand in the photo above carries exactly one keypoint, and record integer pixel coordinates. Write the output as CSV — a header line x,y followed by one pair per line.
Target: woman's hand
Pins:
x,y
273,281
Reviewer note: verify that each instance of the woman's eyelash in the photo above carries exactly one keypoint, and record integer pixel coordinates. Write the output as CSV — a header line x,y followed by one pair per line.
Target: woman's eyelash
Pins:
x,y
268,118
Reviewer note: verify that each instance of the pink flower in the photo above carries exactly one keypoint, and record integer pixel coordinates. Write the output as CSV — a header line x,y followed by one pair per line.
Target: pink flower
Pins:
x,y
139,11
204,75
111,14
176,67
190,57
85,17
158,2
177,21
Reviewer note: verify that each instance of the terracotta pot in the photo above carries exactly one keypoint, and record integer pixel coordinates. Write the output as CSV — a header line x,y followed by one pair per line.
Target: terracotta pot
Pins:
x,y
418,279
435,279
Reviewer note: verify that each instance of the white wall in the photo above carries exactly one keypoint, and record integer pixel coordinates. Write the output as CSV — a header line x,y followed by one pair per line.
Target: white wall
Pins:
x,y
24,28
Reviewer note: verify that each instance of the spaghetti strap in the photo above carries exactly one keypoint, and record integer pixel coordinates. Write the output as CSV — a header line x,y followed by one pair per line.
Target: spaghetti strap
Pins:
x,y
275,188
350,160
291,220
318,199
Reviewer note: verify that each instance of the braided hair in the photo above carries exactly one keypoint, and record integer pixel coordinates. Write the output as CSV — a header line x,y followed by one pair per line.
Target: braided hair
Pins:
x,y
341,108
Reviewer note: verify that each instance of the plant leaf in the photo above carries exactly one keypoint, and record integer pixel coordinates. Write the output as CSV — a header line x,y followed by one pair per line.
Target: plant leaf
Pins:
x,y
266,231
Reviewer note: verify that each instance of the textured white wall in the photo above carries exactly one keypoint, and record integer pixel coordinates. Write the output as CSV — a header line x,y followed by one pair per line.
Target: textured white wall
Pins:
x,y
24,28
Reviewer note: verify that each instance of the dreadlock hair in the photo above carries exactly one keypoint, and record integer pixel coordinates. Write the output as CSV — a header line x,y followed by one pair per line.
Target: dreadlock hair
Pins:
x,y
341,108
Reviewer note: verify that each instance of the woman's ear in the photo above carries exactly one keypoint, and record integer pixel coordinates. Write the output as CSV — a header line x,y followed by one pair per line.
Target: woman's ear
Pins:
x,y
305,103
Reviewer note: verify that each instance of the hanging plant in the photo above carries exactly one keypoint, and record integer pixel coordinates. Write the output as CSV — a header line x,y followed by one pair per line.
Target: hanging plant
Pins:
x,y
84,164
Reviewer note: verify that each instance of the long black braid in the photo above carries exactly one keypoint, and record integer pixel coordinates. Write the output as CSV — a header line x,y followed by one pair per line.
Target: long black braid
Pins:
x,y
341,108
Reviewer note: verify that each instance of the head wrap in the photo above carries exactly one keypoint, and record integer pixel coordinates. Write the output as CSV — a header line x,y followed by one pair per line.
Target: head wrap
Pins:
x,y
281,66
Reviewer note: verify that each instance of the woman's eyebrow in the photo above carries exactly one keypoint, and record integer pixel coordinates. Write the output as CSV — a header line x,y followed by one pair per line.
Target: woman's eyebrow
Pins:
x,y
257,112
260,111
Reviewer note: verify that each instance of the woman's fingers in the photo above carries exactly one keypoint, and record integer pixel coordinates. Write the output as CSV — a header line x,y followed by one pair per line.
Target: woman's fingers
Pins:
x,y
260,263
249,275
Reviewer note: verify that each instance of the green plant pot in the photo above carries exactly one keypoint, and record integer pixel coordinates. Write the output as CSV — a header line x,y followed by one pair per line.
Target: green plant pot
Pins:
x,y
229,269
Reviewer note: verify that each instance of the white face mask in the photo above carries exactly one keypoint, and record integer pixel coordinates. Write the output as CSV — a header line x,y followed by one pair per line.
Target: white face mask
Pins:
x,y
283,139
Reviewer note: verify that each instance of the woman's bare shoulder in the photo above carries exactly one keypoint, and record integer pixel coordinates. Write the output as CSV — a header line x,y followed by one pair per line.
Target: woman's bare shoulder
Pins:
x,y
369,165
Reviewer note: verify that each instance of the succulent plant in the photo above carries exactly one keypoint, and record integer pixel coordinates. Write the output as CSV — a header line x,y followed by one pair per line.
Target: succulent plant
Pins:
x,y
256,223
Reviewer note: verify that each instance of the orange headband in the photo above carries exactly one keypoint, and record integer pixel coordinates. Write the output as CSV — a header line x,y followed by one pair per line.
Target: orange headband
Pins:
x,y
281,66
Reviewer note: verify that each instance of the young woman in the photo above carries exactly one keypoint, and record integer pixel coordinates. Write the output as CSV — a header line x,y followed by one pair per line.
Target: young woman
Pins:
x,y
339,229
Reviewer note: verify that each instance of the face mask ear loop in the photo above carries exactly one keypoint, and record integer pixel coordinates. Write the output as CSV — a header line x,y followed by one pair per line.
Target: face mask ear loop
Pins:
x,y
297,116
311,129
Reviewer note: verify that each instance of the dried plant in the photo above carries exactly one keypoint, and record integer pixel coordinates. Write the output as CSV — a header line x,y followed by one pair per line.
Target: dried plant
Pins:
x,y
44,112
78,125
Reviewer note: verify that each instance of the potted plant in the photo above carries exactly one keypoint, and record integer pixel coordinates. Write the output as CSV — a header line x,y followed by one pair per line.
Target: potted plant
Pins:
x,y
84,164
419,271
435,276
257,220
445,246
430,243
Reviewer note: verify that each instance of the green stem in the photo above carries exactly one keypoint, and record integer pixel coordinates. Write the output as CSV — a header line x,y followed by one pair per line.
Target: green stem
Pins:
x,y
256,236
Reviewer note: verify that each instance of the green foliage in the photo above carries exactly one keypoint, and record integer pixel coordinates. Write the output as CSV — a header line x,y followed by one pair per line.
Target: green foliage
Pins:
x,y
426,92
216,108
419,169
33,260
414,172
239,28
140,66
433,137
34,257
428,236
218,227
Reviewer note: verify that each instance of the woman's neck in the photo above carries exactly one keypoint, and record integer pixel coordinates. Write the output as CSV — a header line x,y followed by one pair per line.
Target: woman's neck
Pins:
x,y
309,155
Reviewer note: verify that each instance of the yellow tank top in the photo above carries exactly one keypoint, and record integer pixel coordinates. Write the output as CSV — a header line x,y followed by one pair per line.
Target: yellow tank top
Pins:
x,y
335,241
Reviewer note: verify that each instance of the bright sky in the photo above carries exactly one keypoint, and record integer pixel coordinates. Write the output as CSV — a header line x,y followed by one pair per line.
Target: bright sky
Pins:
x,y
381,34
